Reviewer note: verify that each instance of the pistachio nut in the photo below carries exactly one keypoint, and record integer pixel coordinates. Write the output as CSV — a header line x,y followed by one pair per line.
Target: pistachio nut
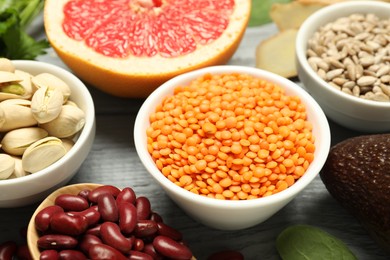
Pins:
x,y
18,172
67,143
15,113
26,83
7,166
8,77
2,117
10,86
52,82
12,90
6,65
70,103
16,141
46,104
42,153
69,122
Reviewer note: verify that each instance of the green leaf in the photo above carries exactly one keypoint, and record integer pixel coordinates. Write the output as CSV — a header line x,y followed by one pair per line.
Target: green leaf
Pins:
x,y
260,11
28,11
302,242
15,16
19,45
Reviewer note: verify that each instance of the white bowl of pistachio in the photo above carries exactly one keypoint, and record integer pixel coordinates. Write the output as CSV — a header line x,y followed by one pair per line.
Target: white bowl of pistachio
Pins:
x,y
47,127
343,60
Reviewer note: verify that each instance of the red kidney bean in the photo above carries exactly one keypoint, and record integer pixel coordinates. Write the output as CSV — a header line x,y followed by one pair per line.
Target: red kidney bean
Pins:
x,y
107,207
106,189
106,252
56,241
143,208
226,255
8,250
87,241
156,217
71,202
114,224
92,214
145,228
127,217
23,253
126,195
169,231
138,244
49,254
136,255
112,236
94,230
42,219
84,193
171,248
150,250
67,224
70,254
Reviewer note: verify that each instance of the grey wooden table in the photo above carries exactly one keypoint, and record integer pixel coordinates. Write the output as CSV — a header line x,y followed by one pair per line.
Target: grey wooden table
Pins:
x,y
113,160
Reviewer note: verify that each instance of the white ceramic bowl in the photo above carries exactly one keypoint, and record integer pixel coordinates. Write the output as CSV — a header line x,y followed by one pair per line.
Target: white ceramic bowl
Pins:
x,y
35,187
349,111
222,214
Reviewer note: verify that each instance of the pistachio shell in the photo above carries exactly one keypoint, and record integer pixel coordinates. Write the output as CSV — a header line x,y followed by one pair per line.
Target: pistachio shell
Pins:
x,y
16,141
18,172
70,103
2,117
26,83
46,104
13,91
7,166
42,153
52,82
17,101
15,113
69,122
10,86
6,65
6,77
67,143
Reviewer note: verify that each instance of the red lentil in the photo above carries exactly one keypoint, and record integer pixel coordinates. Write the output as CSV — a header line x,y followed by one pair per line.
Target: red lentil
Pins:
x,y
232,137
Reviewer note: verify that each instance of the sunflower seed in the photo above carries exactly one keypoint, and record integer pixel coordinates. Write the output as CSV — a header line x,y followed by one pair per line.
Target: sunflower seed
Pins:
x,y
366,81
353,54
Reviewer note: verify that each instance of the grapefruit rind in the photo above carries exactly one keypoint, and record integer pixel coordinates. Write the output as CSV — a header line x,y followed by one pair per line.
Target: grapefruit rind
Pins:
x,y
138,76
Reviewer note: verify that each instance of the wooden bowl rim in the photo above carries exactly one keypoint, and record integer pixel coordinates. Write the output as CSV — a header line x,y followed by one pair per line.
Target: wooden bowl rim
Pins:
x,y
32,233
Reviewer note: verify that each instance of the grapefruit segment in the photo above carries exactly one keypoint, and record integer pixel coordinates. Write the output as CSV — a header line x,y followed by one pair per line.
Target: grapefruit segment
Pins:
x,y
128,48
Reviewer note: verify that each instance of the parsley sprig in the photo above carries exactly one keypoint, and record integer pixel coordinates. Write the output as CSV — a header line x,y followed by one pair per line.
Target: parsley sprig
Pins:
x,y
15,17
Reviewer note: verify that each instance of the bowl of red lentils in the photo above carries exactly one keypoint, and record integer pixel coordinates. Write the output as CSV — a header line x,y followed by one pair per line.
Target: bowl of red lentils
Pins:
x,y
343,60
231,145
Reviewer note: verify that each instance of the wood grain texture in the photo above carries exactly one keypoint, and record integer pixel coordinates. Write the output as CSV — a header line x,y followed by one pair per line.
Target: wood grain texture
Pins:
x,y
113,160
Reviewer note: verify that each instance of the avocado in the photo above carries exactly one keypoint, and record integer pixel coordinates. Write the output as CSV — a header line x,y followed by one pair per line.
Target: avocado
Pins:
x,y
357,174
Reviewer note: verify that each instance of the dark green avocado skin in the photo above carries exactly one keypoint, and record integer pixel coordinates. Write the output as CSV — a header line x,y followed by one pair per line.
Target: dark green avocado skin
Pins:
x,y
357,175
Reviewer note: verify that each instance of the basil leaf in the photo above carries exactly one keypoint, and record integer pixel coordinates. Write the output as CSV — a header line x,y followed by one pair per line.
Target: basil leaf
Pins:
x,y
306,242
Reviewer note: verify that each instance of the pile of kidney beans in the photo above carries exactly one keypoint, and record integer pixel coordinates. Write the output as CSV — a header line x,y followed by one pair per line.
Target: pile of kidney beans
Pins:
x,y
105,223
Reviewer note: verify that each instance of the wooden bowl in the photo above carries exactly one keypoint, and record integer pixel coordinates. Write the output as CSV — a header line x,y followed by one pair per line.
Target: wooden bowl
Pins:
x,y
32,233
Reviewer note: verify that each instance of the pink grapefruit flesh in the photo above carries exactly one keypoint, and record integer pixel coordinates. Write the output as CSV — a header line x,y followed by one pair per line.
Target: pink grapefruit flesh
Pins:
x,y
128,48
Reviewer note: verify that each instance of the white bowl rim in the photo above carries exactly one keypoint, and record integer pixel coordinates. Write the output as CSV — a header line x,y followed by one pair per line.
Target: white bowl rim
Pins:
x,y
301,45
284,195
83,135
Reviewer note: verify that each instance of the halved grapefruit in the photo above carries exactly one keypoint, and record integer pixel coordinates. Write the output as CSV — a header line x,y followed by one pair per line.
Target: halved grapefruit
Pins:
x,y
127,48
